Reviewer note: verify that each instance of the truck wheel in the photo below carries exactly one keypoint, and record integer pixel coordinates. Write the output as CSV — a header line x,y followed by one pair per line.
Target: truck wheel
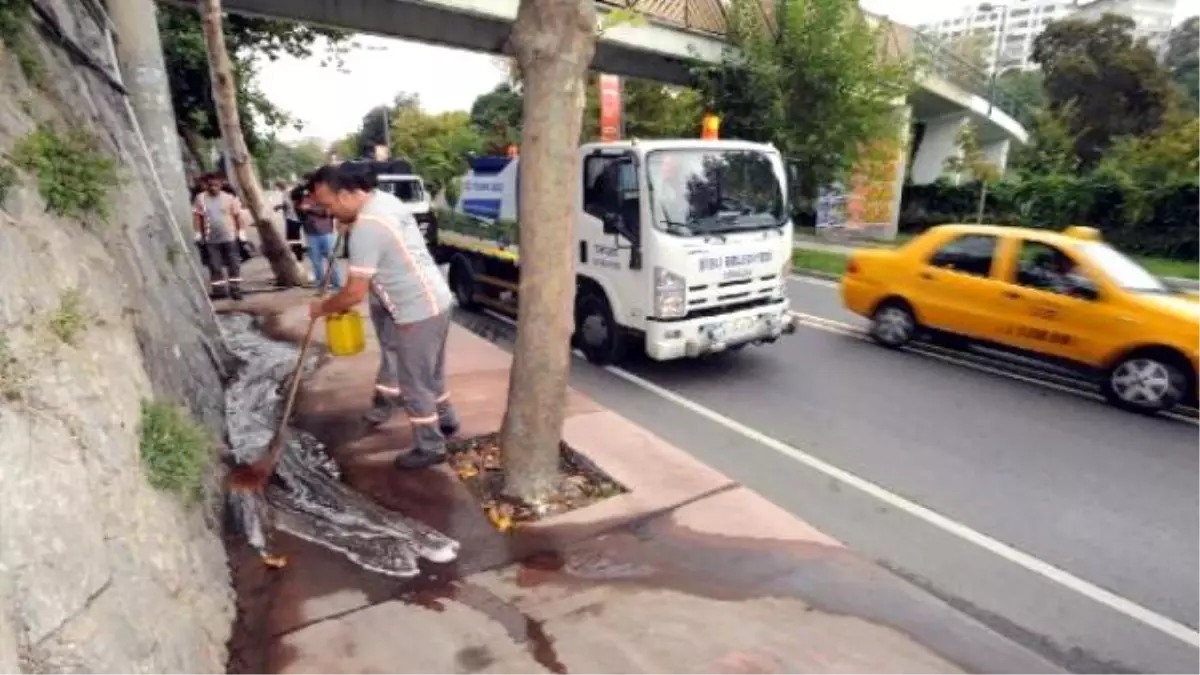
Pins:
x,y
462,282
596,331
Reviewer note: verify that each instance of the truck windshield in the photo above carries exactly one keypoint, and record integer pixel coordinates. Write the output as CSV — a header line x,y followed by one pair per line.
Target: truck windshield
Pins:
x,y
698,191
407,191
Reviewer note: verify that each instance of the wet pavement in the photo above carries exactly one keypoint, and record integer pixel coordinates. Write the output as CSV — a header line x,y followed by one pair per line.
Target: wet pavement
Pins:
x,y
688,572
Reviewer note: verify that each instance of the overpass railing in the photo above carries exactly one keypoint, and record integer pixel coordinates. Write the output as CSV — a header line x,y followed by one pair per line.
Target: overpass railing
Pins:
x,y
709,16
704,16
936,58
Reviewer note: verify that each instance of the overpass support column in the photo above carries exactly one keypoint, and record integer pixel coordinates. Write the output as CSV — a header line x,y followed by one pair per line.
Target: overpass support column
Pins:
x,y
939,143
144,72
996,154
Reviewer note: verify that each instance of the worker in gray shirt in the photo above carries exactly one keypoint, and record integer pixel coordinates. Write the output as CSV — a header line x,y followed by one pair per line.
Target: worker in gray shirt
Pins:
x,y
390,261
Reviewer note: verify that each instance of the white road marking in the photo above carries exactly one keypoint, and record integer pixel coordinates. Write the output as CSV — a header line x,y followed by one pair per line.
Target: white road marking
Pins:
x,y
815,281
1014,555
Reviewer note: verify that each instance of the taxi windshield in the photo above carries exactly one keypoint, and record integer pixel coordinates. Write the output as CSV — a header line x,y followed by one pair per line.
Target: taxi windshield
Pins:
x,y
1121,269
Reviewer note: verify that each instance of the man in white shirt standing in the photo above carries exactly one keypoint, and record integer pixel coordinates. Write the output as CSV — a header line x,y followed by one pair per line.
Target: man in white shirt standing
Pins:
x,y
217,217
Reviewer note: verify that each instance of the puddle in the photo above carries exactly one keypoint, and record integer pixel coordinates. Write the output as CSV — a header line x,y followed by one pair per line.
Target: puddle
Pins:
x,y
306,497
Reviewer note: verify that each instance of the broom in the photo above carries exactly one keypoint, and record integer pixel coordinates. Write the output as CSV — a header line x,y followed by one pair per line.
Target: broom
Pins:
x,y
253,478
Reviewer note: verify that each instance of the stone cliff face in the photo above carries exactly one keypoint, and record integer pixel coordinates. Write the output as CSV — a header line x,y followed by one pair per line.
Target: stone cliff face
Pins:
x,y
99,572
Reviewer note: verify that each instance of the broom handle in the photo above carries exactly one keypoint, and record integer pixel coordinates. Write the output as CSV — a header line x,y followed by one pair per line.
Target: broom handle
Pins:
x,y
276,441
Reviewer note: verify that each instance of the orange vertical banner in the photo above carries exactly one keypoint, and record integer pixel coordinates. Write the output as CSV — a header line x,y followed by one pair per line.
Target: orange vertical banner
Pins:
x,y
710,129
610,108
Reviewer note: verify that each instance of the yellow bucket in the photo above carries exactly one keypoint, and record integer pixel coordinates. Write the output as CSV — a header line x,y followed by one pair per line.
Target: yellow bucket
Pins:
x,y
344,333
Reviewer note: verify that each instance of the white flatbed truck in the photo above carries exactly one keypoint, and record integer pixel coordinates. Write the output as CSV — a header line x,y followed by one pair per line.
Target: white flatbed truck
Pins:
x,y
683,246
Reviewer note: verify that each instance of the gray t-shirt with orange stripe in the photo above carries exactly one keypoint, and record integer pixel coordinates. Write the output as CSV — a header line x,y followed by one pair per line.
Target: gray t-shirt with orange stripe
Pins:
x,y
386,244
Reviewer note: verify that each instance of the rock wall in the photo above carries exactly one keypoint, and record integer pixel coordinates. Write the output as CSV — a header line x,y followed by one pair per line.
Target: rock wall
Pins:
x,y
99,572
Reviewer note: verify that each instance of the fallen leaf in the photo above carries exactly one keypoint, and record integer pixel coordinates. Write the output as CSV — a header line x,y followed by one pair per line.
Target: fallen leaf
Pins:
x,y
275,562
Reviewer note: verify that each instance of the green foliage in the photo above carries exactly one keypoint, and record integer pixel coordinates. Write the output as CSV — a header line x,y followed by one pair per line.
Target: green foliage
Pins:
x,y
823,89
437,145
1183,59
69,319
283,161
12,374
504,232
1051,147
971,160
74,175
1026,86
1114,82
175,451
971,48
650,110
248,38
14,17
496,117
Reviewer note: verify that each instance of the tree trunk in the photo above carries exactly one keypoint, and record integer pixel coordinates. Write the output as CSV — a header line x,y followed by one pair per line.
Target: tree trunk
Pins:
x,y
554,42
283,263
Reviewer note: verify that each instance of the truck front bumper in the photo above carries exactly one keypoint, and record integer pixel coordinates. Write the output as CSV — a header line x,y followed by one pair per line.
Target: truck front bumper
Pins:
x,y
666,340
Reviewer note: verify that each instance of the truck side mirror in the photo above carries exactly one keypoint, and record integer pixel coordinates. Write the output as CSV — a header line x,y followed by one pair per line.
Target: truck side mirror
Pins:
x,y
611,221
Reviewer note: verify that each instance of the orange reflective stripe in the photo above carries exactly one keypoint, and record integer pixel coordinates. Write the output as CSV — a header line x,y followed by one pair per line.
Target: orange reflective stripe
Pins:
x,y
432,419
444,397
388,390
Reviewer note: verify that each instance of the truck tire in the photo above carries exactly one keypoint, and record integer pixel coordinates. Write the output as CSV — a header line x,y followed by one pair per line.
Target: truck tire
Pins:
x,y
462,282
596,331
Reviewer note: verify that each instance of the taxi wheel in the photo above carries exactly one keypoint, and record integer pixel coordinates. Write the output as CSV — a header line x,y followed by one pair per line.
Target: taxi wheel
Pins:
x,y
1147,381
596,331
893,324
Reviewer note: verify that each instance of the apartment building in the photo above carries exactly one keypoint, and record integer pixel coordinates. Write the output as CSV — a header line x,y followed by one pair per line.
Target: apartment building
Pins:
x,y
1153,17
1021,21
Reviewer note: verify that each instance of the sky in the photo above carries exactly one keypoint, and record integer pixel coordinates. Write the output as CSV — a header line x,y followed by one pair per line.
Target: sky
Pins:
x,y
330,104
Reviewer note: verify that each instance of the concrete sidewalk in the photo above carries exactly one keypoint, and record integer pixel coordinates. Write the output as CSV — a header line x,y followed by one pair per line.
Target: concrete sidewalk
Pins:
x,y
687,572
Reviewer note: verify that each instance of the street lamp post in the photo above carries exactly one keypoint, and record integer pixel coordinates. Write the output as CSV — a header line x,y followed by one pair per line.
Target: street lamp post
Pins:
x,y
989,7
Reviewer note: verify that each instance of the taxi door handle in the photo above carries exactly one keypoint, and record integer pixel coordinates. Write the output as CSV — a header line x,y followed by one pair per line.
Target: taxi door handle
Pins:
x,y
927,276
1012,295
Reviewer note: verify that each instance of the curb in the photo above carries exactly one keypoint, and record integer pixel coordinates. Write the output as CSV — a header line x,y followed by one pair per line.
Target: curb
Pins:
x,y
816,274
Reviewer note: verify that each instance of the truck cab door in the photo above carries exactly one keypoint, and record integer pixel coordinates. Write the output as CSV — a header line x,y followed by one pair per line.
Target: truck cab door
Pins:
x,y
609,229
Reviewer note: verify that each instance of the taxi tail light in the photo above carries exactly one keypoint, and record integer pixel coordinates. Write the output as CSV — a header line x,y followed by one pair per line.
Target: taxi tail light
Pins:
x,y
851,266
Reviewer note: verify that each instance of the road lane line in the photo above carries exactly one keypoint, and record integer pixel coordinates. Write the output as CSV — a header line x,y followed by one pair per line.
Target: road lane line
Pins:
x,y
1016,556
1041,379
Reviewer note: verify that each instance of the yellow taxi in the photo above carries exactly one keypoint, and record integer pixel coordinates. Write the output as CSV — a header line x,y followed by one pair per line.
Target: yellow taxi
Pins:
x,y
1065,296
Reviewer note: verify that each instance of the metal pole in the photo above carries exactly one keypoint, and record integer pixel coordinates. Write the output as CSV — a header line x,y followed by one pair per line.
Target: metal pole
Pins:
x,y
387,132
982,201
996,62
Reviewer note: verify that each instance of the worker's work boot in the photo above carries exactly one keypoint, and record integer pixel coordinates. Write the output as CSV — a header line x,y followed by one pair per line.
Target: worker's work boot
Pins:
x,y
235,290
447,419
429,449
382,408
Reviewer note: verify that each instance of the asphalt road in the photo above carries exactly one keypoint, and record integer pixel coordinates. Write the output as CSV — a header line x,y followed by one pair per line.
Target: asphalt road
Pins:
x,y
1108,497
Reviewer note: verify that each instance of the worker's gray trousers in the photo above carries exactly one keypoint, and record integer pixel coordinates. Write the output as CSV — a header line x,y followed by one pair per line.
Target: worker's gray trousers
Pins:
x,y
385,380
415,355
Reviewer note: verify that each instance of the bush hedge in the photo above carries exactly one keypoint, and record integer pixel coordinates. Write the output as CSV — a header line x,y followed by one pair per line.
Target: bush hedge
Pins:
x,y
1159,221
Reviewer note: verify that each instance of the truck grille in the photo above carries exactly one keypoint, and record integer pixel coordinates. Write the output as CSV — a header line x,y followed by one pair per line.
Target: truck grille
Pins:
x,y
729,295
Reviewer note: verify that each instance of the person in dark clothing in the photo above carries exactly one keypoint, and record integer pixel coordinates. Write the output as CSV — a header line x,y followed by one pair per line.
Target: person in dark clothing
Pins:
x,y
291,206
217,217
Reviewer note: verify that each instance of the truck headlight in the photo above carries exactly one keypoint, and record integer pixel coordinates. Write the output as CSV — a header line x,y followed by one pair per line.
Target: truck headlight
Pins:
x,y
670,294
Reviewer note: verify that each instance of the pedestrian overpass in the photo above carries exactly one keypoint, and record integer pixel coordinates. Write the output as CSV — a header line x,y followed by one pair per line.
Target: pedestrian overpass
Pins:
x,y
676,33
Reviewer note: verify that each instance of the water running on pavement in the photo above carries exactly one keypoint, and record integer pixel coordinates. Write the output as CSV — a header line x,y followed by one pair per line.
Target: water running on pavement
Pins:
x,y
307,498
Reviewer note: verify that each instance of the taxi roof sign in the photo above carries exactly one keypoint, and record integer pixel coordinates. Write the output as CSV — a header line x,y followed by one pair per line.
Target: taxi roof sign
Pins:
x,y
1083,232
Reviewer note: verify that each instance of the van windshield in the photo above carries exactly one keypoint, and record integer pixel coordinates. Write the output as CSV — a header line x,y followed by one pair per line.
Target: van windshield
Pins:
x,y
407,191
698,191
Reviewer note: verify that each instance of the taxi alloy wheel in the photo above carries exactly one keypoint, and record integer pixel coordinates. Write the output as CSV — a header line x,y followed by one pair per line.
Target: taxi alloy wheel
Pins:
x,y
893,324
1146,383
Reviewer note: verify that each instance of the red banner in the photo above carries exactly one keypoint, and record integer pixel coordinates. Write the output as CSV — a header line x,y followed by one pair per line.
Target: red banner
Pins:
x,y
610,108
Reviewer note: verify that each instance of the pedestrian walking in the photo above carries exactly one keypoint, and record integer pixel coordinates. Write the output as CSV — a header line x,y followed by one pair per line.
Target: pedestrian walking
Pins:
x,y
217,218
291,203
389,261
321,236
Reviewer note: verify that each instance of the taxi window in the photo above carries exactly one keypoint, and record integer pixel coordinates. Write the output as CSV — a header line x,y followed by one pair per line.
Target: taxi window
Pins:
x,y
1048,268
969,254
